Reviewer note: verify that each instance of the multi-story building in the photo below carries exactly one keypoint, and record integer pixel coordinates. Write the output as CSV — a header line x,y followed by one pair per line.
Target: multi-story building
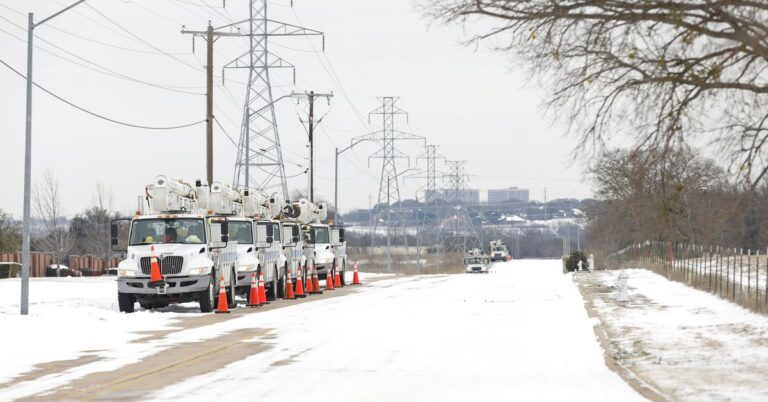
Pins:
x,y
508,194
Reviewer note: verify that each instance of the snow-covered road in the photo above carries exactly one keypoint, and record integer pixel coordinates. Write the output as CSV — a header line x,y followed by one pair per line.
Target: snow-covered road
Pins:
x,y
521,333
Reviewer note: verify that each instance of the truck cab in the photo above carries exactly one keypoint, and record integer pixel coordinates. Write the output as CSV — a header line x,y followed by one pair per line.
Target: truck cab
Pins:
x,y
318,249
499,251
272,262
476,264
293,250
339,247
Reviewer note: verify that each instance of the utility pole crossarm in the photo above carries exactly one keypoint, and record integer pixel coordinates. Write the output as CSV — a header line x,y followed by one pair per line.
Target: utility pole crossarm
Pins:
x,y
311,96
243,62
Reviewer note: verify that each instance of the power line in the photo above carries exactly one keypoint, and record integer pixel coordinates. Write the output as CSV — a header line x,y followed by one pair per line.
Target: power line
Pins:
x,y
85,38
106,71
142,40
96,114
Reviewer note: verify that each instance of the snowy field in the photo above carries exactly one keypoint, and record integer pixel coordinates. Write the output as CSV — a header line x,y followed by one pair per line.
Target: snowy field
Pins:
x,y
520,333
685,344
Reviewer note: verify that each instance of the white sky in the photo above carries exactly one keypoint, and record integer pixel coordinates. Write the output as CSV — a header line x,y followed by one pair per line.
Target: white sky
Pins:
x,y
468,102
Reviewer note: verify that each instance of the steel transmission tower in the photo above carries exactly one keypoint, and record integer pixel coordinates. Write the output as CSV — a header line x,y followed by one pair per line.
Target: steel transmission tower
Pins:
x,y
463,234
389,188
259,155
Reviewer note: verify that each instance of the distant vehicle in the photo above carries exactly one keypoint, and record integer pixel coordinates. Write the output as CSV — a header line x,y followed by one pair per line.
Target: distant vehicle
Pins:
x,y
499,251
63,270
476,261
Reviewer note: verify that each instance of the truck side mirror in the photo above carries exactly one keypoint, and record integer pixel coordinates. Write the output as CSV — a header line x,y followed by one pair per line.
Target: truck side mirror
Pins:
x,y
341,235
225,231
113,230
119,234
294,234
270,233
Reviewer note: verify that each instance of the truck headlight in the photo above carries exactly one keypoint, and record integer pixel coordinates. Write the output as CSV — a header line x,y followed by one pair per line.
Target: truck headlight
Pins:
x,y
126,273
199,270
243,268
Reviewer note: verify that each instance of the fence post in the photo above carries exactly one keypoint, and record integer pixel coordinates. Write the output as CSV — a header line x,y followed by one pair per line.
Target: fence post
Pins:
x,y
749,268
757,279
709,268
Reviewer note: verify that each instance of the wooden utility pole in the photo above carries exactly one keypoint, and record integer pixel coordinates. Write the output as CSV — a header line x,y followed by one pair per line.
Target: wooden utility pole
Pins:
x,y
311,96
209,107
210,37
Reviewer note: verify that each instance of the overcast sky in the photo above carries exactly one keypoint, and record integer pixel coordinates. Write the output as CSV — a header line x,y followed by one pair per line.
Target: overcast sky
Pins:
x,y
140,69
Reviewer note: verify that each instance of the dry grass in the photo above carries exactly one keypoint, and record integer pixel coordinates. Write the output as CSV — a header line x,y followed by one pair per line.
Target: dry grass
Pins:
x,y
376,261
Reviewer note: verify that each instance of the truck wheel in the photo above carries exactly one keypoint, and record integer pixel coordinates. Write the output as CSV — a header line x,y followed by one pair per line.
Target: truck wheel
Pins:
x,y
343,273
231,291
280,294
206,296
273,293
125,302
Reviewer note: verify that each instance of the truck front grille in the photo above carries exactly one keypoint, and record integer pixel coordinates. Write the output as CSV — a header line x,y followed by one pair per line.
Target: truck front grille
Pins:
x,y
170,265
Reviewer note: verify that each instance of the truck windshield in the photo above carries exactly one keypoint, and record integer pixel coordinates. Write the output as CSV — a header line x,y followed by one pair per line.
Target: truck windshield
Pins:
x,y
500,249
241,232
321,235
476,260
172,230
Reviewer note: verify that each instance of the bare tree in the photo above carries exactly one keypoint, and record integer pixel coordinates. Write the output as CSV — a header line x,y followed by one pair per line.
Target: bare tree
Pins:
x,y
662,72
57,238
10,233
682,197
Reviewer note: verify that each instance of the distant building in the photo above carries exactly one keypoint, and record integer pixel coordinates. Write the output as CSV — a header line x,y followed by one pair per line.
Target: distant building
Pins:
x,y
508,194
469,196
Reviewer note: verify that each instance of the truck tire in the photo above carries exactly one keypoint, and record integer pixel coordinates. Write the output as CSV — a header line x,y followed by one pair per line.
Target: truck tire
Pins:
x,y
125,302
343,272
207,297
280,286
231,302
273,292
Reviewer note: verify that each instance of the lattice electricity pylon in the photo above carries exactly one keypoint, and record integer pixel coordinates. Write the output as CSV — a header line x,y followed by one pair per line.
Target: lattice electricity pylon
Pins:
x,y
454,219
389,188
259,144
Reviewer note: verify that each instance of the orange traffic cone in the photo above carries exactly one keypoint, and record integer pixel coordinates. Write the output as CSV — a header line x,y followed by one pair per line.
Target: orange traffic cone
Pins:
x,y
355,277
262,291
316,283
300,284
337,278
222,305
288,288
253,296
329,280
155,278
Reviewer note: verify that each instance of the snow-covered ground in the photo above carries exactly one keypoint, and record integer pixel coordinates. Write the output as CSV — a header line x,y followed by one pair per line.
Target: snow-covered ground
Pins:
x,y
520,333
74,317
683,343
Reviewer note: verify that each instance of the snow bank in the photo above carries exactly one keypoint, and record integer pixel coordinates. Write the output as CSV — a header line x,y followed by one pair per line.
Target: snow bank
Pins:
x,y
687,344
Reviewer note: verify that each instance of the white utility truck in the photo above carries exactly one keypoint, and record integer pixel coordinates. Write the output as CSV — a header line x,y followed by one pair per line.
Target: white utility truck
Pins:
x,y
476,261
267,244
190,243
293,246
324,246
499,251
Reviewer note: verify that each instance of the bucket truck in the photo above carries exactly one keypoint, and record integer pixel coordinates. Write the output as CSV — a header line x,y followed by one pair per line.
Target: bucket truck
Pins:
x,y
191,245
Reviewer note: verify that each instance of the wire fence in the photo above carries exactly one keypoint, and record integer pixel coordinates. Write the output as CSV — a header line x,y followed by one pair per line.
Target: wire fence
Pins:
x,y
735,274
